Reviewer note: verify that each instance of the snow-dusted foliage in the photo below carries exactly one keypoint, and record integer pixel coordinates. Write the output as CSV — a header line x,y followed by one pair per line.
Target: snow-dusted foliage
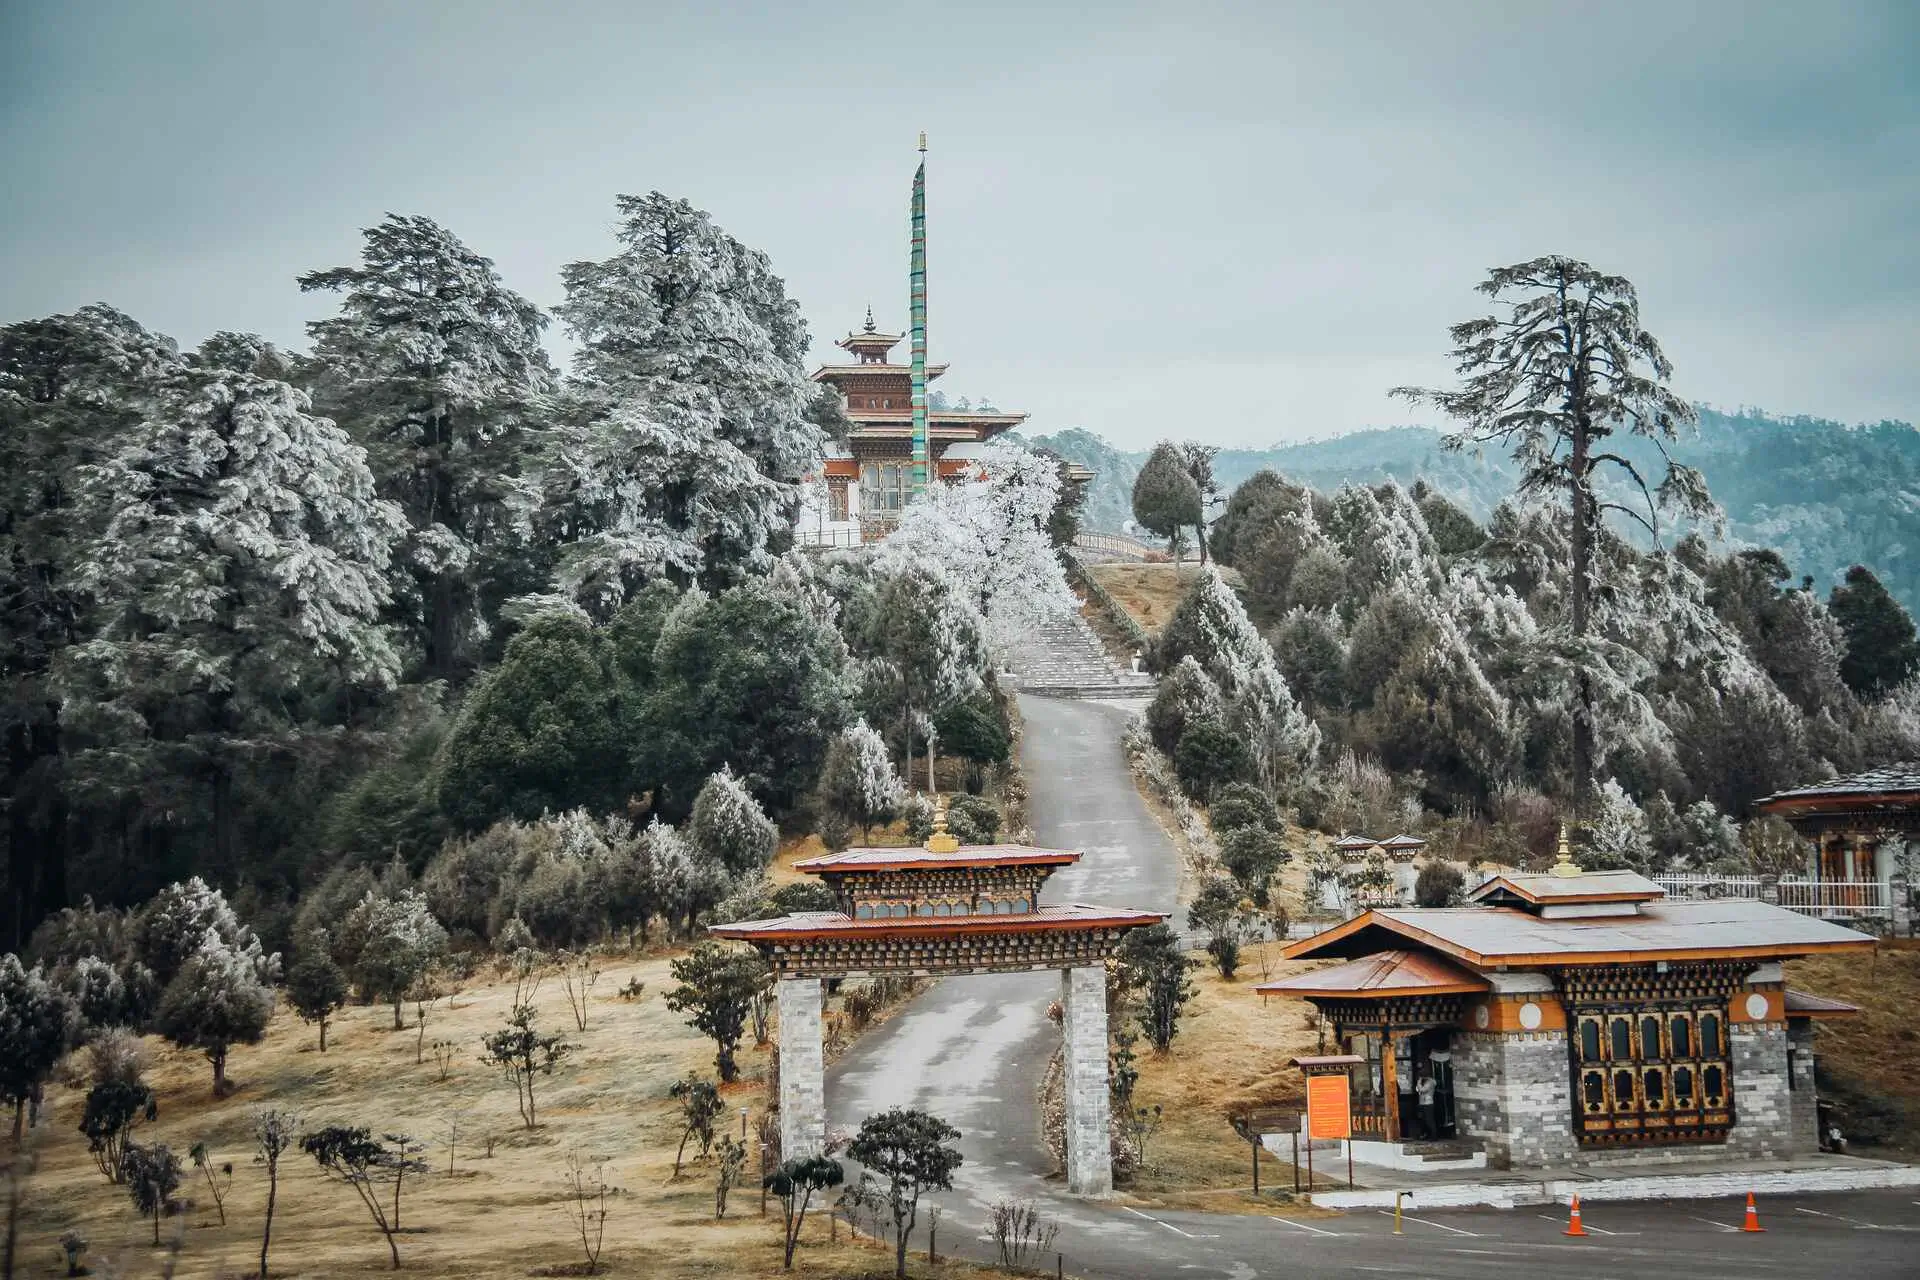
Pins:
x,y
216,1001
1212,627
989,531
729,827
176,923
389,943
1617,834
238,545
858,780
690,420
684,883
437,368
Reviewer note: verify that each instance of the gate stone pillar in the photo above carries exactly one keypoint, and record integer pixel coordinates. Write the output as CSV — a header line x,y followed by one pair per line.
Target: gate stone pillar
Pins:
x,y
1899,906
1083,1001
803,1070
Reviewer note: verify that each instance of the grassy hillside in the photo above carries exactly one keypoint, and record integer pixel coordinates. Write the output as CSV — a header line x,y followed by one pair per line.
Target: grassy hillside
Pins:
x,y
494,1215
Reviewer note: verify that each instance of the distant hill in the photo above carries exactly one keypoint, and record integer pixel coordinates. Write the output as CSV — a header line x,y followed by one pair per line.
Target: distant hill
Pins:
x,y
1823,494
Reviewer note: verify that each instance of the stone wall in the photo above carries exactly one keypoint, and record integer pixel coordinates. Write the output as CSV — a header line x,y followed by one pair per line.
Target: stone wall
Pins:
x,y
1762,1103
1511,1092
803,1073
1805,1114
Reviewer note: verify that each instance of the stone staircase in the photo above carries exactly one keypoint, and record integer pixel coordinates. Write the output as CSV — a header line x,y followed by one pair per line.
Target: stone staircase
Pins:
x,y
1062,658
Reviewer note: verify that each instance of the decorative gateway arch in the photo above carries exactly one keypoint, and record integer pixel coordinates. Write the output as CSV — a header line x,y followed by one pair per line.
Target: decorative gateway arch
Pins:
x,y
941,910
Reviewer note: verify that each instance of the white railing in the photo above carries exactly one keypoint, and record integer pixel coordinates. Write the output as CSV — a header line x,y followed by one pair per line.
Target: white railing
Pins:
x,y
1114,544
1836,897
841,537
1708,885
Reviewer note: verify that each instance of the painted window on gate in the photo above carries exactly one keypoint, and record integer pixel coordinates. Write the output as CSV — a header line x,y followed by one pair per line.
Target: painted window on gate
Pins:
x,y
1652,1074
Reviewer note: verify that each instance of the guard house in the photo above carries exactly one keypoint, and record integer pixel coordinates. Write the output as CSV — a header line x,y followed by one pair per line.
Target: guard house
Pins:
x,y
1860,832
1573,1017
945,908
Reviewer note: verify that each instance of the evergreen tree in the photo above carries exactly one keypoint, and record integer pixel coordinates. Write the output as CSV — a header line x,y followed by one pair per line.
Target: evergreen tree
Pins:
x,y
36,1024
690,420
1564,369
437,368
728,826
857,782
1881,650
1165,498
215,1002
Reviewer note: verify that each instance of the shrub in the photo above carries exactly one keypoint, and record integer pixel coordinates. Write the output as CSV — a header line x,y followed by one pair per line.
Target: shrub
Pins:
x,y
1210,755
973,819
1241,804
1186,694
1440,884
1252,854
918,812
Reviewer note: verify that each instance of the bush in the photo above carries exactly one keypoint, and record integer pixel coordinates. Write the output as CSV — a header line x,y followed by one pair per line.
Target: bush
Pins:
x,y
918,813
1187,694
1210,755
973,819
1252,854
1441,884
1241,804
806,895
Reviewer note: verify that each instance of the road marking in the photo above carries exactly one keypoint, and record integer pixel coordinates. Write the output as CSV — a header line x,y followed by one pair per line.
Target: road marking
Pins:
x,y
1303,1226
1835,1216
1428,1222
1710,1222
1150,1218
1588,1226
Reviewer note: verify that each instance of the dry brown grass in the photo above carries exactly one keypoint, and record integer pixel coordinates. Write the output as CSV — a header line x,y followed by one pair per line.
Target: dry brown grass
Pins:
x,y
1873,1053
1149,592
498,1216
1231,1052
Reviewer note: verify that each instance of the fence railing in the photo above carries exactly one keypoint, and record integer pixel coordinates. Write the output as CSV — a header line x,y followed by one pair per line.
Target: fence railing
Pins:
x,y
826,538
1836,897
1114,544
1707,885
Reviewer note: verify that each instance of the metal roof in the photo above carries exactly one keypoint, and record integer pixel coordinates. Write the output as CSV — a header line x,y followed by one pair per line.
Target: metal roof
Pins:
x,y
1893,779
1382,974
1355,842
1588,886
1403,841
812,924
1804,1004
914,857
1662,930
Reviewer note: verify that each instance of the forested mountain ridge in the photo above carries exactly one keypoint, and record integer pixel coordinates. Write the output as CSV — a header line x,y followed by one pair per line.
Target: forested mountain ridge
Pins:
x,y
1822,494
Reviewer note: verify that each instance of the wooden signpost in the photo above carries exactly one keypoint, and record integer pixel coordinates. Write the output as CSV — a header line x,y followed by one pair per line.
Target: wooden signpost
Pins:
x,y
1329,1104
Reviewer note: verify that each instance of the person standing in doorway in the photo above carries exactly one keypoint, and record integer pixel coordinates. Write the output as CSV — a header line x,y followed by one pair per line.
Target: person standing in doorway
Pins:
x,y
1424,1091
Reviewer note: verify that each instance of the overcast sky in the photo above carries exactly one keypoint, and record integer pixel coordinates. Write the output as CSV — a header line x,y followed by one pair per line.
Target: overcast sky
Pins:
x,y
1241,223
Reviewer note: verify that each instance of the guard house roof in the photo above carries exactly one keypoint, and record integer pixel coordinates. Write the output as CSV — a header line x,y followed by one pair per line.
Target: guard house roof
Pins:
x,y
1378,976
1403,841
821,924
1589,886
916,858
1489,937
1892,786
1355,842
1804,1004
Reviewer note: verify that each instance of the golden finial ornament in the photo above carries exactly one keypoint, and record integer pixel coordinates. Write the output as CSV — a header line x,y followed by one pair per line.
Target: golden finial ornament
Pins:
x,y
1563,864
942,840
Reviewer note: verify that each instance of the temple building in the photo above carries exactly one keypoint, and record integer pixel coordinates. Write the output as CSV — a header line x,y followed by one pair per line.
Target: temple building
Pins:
x,y
943,909
900,439
1573,1018
1861,832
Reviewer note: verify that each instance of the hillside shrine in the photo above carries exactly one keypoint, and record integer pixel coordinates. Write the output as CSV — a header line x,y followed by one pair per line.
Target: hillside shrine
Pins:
x,y
1573,1017
940,910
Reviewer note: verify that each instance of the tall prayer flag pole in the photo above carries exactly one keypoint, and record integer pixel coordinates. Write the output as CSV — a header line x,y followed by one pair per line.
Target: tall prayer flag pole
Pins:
x,y
917,310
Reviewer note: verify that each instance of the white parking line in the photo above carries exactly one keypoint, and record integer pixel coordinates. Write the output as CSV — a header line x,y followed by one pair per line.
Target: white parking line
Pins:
x,y
1288,1222
1428,1222
1835,1216
1150,1218
1589,1227
1710,1222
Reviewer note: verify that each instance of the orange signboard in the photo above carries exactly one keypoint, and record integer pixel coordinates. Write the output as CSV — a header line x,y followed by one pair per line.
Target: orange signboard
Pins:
x,y
1329,1114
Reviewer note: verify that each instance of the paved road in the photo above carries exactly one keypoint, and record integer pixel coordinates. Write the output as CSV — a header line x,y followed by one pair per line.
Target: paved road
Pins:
x,y
973,1050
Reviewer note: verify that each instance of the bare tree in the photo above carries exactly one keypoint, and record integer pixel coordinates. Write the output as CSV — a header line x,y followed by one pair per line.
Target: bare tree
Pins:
x,y
1021,1233
351,1156
586,1204
732,1163
216,1185
578,973
274,1133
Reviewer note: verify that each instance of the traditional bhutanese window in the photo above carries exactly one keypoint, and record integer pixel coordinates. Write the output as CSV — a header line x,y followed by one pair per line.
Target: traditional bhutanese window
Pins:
x,y
1657,1073
1020,906
836,502
884,486
863,912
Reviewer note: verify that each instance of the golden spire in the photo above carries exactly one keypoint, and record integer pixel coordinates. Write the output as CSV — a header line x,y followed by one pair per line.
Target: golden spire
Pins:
x,y
942,840
923,142
1564,865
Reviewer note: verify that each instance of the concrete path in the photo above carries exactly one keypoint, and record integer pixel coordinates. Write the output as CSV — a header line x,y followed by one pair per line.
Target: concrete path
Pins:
x,y
973,1050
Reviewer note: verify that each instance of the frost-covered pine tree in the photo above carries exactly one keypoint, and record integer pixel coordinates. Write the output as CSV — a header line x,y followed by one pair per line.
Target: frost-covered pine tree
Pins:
x,y
684,882
436,367
729,827
1565,367
216,1001
394,941
36,1026
236,557
690,421
1617,835
176,922
989,532
858,781
1211,625
927,639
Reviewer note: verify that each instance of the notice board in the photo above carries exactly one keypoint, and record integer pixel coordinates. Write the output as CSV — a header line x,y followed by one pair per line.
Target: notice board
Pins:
x,y
1329,1110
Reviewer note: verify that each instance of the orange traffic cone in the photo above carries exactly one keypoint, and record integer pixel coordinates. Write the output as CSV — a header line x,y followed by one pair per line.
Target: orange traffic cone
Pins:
x,y
1753,1219
1573,1223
